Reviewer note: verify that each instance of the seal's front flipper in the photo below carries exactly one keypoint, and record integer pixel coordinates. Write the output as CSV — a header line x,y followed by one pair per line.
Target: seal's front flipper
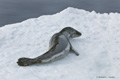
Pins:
x,y
73,50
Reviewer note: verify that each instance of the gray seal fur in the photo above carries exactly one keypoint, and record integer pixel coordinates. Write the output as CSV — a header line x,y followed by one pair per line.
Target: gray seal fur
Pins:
x,y
59,47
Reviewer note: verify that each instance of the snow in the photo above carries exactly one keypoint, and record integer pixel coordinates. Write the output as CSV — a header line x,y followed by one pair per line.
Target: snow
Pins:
x,y
99,47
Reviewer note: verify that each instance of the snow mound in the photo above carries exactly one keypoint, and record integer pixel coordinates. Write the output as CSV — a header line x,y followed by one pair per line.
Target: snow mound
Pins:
x,y
99,47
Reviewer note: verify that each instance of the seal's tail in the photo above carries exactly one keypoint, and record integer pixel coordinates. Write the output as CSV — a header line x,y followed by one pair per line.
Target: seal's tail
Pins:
x,y
27,61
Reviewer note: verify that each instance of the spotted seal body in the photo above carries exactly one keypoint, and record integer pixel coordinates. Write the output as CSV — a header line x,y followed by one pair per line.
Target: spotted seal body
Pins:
x,y
59,47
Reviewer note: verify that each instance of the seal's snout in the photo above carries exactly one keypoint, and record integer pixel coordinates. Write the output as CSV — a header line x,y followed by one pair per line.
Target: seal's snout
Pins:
x,y
78,33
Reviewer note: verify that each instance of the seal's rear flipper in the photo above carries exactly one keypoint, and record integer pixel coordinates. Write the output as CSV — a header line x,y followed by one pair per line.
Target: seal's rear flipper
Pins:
x,y
73,50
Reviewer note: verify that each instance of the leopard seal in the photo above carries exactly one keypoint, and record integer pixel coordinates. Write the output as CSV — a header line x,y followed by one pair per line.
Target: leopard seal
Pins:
x,y
59,47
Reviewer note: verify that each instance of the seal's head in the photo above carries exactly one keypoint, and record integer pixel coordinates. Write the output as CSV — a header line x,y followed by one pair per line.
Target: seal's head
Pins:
x,y
70,32
24,62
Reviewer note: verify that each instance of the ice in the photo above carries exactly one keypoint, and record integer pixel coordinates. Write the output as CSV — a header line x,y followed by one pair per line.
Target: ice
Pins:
x,y
99,47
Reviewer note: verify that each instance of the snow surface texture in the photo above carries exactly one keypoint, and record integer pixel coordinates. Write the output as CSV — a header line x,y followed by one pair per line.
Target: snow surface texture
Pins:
x,y
99,47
